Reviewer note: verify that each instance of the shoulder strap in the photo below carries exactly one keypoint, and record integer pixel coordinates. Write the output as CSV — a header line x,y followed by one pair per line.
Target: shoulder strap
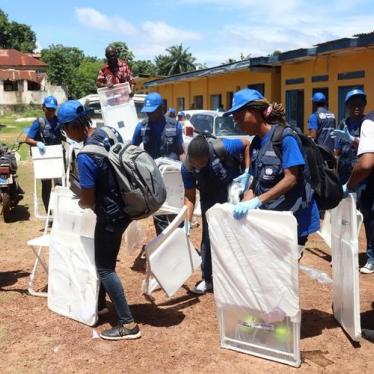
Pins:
x,y
94,149
276,139
41,121
219,148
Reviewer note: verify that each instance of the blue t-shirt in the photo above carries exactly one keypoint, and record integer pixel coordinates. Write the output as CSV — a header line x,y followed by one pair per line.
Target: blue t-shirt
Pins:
x,y
155,134
313,122
34,130
233,148
307,219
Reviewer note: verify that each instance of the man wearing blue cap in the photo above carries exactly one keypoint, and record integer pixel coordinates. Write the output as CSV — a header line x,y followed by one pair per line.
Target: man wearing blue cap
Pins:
x,y
321,122
99,191
347,136
161,137
46,131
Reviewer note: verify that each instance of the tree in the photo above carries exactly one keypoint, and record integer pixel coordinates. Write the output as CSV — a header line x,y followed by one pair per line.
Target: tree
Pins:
x,y
123,52
277,52
143,67
228,61
16,35
84,79
62,65
178,60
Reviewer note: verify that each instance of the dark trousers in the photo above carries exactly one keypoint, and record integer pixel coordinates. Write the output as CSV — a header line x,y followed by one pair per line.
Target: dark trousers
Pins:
x,y
205,251
46,190
162,222
107,244
369,231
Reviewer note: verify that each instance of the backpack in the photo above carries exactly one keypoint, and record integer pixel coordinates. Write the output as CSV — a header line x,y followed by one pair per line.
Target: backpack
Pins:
x,y
139,180
322,165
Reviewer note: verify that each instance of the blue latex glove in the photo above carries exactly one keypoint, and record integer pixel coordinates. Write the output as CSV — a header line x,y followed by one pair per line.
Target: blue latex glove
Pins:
x,y
41,147
243,179
243,207
72,143
346,190
343,135
187,227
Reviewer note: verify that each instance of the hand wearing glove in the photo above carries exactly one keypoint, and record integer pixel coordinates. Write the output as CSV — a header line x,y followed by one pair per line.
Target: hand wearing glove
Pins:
x,y
243,207
243,179
187,227
346,190
41,147
72,143
343,135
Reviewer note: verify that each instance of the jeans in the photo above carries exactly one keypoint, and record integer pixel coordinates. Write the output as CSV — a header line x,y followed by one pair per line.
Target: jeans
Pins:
x,y
46,190
108,238
369,230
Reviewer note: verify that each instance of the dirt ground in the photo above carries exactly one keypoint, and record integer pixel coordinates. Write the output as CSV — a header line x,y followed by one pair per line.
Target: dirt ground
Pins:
x,y
179,335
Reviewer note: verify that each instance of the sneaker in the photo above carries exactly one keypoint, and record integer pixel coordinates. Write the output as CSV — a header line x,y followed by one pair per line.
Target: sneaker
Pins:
x,y
122,331
367,269
202,287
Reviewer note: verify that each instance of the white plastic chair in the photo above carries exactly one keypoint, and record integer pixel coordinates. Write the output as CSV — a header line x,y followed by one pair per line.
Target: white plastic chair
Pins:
x,y
37,245
49,165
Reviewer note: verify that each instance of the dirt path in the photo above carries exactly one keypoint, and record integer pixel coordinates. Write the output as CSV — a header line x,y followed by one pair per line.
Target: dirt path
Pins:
x,y
180,335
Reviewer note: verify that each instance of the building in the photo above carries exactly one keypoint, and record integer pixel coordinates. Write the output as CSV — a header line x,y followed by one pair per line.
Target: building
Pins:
x,y
23,80
334,67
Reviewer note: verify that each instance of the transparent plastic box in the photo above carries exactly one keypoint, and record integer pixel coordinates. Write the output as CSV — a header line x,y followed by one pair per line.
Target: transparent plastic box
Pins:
x,y
118,109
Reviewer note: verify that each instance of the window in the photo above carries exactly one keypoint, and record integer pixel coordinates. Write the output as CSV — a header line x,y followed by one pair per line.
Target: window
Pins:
x,y
198,101
215,102
33,86
180,103
165,105
343,90
229,97
295,108
260,87
202,122
10,85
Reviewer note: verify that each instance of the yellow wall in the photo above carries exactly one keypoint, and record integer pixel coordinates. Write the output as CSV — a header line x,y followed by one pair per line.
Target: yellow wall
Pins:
x,y
219,84
332,65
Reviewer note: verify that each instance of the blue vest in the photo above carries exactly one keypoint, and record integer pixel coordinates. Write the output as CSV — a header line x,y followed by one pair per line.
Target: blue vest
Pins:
x,y
214,179
268,172
169,145
326,123
348,155
48,134
109,203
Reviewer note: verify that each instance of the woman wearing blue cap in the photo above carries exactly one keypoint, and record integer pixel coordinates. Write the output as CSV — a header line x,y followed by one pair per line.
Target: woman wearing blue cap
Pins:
x,y
347,136
279,183
46,131
100,191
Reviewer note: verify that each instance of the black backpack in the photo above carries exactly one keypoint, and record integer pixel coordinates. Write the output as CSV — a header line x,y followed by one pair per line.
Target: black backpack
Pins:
x,y
322,164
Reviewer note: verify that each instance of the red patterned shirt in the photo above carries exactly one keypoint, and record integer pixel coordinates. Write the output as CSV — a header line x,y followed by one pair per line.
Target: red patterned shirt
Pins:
x,y
121,75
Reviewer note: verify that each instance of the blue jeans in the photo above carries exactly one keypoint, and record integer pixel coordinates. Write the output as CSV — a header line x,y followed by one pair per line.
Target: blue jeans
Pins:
x,y
369,230
108,238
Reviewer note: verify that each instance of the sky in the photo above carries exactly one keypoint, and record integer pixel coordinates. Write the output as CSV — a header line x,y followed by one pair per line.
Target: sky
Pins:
x,y
212,30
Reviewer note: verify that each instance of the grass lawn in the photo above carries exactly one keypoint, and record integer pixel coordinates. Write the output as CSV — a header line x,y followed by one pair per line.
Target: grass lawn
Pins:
x,y
12,130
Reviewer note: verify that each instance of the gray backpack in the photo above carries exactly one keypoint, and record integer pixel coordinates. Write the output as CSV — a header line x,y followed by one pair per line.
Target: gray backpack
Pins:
x,y
139,179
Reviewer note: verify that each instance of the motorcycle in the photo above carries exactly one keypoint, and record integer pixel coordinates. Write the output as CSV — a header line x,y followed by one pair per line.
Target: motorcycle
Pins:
x,y
10,191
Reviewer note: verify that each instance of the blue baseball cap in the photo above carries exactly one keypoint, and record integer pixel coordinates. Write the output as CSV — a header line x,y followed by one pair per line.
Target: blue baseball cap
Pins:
x,y
242,98
69,111
151,102
181,113
319,97
172,110
50,102
355,92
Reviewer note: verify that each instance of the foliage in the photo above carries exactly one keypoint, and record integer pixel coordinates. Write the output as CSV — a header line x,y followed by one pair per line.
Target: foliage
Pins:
x,y
144,67
177,60
16,35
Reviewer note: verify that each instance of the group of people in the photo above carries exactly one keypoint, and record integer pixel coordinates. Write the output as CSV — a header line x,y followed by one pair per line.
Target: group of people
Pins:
x,y
268,180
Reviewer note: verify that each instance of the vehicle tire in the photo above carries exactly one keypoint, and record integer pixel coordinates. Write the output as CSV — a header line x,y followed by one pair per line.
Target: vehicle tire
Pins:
x,y
6,211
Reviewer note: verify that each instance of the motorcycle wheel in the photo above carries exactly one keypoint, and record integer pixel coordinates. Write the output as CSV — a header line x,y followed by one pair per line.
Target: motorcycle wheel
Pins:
x,y
6,211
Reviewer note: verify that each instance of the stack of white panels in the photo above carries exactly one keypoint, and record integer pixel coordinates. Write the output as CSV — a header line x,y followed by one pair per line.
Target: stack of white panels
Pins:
x,y
72,278
346,222
255,278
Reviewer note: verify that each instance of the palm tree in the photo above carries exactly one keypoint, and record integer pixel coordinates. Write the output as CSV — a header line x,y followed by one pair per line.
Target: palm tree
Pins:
x,y
178,60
